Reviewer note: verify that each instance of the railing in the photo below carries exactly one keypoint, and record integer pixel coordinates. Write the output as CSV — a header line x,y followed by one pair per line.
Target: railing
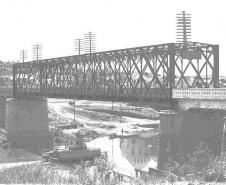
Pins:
x,y
199,93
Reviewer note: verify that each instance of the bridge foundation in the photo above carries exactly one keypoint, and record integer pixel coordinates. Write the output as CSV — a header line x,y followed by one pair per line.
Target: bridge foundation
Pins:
x,y
2,111
170,127
27,123
223,147
182,132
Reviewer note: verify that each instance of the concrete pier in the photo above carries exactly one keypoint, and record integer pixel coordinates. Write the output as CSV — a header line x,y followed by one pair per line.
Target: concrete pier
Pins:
x,y
223,147
182,132
26,123
2,111
170,128
202,125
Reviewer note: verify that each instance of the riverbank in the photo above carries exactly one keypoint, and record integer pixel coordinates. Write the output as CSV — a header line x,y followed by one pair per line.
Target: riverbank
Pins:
x,y
99,117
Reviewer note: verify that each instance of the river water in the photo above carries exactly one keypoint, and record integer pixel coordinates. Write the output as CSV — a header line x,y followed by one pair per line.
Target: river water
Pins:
x,y
130,152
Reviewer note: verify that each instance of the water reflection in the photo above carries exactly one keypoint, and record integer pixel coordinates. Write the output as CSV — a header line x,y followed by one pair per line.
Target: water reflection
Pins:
x,y
128,153
140,151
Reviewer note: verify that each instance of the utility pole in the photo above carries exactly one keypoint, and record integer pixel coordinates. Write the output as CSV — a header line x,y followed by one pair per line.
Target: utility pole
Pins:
x,y
79,48
120,113
89,43
23,55
183,28
37,54
183,34
89,48
73,103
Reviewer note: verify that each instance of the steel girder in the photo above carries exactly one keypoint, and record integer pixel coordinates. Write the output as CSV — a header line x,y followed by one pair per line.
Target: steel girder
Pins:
x,y
143,72
197,65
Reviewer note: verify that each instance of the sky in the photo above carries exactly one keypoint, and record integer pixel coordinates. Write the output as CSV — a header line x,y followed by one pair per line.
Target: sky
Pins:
x,y
117,24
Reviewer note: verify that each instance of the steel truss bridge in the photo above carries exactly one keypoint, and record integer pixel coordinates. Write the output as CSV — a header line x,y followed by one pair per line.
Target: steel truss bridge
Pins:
x,y
149,72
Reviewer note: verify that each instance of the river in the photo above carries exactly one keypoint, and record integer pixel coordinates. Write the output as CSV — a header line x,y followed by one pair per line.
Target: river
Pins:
x,y
130,152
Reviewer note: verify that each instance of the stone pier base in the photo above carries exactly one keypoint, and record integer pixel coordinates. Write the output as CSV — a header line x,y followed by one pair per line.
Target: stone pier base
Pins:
x,y
26,123
2,111
182,132
170,127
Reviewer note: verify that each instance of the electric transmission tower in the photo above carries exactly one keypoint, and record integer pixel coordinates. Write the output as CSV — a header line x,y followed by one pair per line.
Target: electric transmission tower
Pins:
x,y
23,55
183,28
89,43
79,46
37,54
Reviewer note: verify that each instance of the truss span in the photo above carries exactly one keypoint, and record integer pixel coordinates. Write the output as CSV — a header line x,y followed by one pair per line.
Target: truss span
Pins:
x,y
143,72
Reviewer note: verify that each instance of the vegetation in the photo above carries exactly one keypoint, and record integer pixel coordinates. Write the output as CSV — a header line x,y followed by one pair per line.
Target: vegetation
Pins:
x,y
85,173
201,168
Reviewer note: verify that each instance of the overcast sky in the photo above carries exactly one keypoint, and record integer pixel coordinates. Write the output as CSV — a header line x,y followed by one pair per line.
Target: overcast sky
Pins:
x,y
117,24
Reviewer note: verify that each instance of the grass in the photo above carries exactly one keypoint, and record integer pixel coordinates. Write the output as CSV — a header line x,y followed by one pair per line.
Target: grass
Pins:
x,y
198,171
201,166
84,173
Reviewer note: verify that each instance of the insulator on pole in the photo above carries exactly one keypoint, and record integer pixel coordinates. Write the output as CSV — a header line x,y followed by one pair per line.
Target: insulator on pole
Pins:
x,y
89,43
183,28
23,55
37,52
79,46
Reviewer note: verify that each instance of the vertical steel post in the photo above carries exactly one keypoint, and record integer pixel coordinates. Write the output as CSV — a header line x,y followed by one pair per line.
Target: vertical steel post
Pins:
x,y
206,73
40,79
14,80
76,84
182,77
115,78
215,66
172,63
84,78
104,77
141,84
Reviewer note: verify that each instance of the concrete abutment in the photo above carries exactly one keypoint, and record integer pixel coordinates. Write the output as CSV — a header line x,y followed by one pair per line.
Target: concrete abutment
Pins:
x,y
26,123
182,132
2,111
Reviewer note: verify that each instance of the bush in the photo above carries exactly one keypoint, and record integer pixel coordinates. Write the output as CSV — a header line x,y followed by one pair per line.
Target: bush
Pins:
x,y
200,166
217,168
201,159
84,173
186,169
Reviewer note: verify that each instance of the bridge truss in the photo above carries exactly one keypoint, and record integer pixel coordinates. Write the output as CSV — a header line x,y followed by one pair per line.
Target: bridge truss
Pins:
x,y
143,72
